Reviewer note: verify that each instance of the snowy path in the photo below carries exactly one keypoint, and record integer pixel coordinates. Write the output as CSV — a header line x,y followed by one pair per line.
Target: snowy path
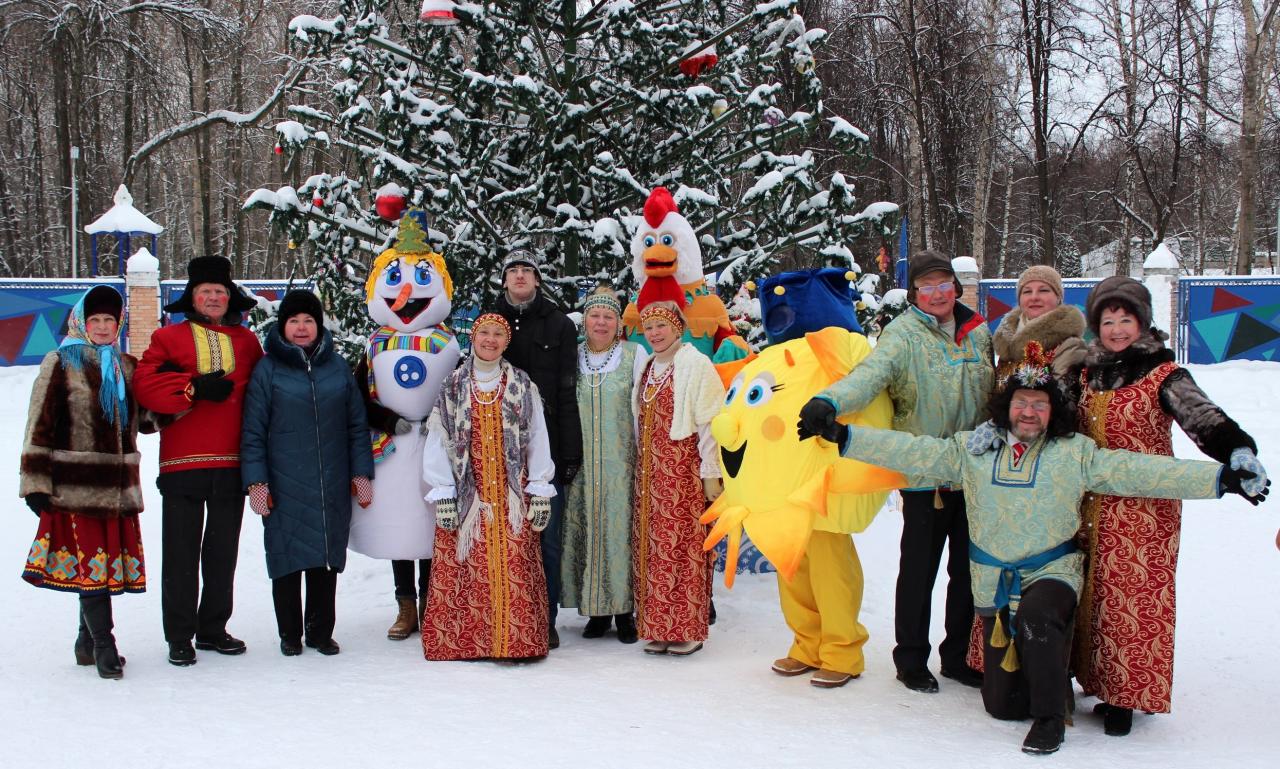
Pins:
x,y
599,703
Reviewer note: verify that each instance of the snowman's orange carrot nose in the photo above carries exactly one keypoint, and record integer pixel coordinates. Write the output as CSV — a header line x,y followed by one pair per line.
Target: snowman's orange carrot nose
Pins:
x,y
403,297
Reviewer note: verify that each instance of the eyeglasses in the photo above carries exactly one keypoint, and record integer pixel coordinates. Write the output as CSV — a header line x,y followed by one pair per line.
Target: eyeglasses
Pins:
x,y
941,288
1040,407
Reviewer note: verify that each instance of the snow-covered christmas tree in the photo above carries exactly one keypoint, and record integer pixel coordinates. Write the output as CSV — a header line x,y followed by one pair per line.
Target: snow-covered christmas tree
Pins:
x,y
544,124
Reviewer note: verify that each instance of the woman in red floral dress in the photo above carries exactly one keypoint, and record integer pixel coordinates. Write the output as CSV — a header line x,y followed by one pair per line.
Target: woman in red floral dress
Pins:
x,y
1131,393
676,395
488,462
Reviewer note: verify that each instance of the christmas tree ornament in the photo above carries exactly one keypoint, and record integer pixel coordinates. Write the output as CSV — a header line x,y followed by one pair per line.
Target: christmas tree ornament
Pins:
x,y
390,202
278,149
700,62
438,13
719,107
292,244
317,201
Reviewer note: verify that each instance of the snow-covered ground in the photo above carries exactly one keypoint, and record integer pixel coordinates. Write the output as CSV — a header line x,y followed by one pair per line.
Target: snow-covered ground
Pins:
x,y
600,703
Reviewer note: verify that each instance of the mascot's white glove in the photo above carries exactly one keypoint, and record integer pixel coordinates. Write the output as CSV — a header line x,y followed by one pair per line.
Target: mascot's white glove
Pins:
x,y
712,488
539,512
362,490
447,514
403,426
260,500
1244,459
982,438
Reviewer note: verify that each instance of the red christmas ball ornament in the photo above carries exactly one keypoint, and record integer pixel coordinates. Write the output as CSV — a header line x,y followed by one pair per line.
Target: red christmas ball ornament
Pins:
x,y
317,202
278,149
438,13
389,202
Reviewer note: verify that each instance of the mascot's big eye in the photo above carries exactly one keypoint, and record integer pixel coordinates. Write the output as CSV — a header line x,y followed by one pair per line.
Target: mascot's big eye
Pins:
x,y
393,274
667,240
649,241
760,390
733,390
422,274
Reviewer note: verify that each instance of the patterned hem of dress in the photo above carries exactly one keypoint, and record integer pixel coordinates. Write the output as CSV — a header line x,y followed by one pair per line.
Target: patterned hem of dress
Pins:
x,y
39,579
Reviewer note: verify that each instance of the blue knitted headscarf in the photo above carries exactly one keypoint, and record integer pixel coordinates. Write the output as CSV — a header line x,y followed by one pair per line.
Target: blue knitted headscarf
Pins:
x,y
111,394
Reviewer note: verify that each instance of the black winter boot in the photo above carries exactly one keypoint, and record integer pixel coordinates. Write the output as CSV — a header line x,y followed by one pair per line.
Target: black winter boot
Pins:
x,y
97,616
84,643
597,627
1116,722
1045,736
626,628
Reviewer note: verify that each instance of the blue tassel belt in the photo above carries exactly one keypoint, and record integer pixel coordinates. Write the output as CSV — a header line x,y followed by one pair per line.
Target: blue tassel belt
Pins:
x,y
1009,586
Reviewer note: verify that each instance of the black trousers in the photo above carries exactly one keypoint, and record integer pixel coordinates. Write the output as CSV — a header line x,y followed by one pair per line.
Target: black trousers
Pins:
x,y
197,546
552,547
925,531
320,615
1040,687
402,573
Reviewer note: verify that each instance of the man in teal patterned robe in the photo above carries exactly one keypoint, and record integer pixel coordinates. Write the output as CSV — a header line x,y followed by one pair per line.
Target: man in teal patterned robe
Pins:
x,y
1024,474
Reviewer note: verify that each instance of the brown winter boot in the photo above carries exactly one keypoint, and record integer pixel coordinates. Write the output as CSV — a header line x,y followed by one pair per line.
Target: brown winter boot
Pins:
x,y
406,621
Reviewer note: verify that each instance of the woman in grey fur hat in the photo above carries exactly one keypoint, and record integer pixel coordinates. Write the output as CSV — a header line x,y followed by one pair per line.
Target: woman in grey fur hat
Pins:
x,y
1131,392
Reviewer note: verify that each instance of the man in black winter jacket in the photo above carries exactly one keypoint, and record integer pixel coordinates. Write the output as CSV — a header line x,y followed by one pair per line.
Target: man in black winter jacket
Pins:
x,y
544,343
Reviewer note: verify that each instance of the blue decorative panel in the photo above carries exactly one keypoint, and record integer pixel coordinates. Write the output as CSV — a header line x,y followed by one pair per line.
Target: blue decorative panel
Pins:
x,y
750,560
1228,318
33,313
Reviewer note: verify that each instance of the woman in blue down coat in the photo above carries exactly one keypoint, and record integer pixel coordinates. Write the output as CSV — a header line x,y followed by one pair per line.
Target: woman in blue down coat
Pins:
x,y
304,450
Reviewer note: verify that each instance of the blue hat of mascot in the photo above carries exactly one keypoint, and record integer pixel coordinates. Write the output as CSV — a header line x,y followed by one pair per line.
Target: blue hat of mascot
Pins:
x,y
793,304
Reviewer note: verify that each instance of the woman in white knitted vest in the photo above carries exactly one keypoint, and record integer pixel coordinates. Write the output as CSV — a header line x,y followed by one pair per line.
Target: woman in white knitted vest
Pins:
x,y
677,473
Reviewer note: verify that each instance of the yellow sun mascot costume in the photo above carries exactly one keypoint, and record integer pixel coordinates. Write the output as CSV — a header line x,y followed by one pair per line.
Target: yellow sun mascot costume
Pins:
x,y
799,501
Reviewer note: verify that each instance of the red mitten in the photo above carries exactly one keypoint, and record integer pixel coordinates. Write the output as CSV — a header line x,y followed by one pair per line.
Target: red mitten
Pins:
x,y
260,500
362,490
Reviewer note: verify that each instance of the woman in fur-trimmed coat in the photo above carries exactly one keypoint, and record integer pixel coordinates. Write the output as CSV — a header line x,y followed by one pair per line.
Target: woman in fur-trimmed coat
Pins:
x,y
1040,317
79,474
1131,392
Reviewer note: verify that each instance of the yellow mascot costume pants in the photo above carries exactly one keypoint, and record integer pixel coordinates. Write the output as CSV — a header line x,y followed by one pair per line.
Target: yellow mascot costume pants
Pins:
x,y
821,605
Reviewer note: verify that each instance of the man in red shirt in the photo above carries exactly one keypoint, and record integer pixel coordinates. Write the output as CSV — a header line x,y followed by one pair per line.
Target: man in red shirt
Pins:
x,y
197,371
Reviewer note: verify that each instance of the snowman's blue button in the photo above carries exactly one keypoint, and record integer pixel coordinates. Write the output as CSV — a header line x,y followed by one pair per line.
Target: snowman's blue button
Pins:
x,y
410,372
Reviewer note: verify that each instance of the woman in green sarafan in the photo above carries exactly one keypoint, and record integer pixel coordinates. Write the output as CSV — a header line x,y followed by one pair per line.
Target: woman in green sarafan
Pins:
x,y
595,570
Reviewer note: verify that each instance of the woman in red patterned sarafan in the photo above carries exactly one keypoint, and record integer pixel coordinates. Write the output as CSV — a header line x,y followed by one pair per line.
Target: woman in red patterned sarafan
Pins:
x,y
1131,392
677,473
79,474
488,462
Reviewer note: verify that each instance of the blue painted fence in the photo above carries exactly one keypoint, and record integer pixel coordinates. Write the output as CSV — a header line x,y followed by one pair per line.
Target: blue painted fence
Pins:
x,y
1228,318
33,315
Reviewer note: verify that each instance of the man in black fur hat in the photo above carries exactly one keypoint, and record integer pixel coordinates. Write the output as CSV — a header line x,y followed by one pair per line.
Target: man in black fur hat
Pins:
x,y
197,371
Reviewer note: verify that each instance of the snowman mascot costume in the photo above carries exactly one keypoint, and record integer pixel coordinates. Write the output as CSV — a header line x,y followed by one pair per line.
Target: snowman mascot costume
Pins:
x,y
406,359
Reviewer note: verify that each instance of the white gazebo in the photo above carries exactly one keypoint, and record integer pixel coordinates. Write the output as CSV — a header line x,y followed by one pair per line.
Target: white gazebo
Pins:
x,y
123,222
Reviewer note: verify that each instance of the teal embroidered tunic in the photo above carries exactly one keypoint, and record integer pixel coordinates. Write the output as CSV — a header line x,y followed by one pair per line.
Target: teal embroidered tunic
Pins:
x,y
1017,511
938,385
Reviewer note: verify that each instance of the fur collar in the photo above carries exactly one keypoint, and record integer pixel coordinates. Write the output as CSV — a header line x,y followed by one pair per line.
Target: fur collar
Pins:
x,y
1050,330
1110,370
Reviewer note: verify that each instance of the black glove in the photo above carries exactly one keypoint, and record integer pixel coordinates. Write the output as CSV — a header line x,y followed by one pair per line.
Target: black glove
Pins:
x,y
818,417
1231,481
213,386
569,473
38,501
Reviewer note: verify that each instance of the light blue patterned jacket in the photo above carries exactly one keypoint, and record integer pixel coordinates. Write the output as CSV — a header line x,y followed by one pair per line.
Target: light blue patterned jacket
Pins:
x,y
1019,511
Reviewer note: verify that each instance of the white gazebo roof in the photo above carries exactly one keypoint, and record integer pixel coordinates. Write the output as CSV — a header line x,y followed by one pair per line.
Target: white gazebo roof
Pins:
x,y
123,217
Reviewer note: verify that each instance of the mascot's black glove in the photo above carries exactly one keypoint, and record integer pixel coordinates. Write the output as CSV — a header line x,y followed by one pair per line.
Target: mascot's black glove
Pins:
x,y
1232,480
38,501
213,386
818,417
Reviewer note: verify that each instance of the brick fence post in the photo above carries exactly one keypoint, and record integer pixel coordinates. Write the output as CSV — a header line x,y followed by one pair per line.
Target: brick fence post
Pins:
x,y
142,283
